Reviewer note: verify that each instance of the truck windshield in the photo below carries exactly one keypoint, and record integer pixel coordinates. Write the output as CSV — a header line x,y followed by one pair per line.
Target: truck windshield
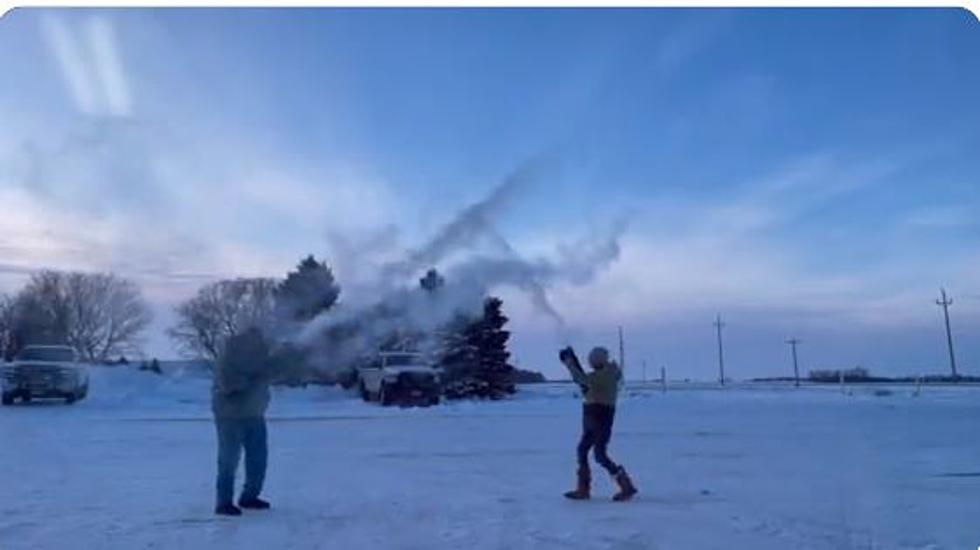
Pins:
x,y
47,354
402,359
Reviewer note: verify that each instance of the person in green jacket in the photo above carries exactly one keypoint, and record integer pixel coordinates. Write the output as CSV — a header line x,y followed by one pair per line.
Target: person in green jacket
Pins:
x,y
600,389
239,399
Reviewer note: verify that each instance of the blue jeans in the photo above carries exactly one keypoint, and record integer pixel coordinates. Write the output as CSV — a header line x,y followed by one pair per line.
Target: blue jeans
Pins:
x,y
235,434
597,423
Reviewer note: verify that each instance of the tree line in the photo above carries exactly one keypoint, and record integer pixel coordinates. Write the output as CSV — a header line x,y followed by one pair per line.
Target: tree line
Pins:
x,y
471,349
103,316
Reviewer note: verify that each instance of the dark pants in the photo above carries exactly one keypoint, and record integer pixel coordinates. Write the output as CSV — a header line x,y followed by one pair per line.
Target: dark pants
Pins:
x,y
597,423
235,434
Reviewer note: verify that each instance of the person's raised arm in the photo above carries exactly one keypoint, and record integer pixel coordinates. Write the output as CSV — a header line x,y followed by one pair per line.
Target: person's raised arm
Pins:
x,y
571,362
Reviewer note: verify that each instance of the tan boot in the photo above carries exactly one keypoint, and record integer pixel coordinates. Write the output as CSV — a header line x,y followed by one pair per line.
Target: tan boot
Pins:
x,y
626,487
582,492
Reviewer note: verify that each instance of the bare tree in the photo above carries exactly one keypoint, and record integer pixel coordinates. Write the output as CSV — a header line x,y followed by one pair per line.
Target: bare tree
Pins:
x,y
220,310
107,314
99,314
41,313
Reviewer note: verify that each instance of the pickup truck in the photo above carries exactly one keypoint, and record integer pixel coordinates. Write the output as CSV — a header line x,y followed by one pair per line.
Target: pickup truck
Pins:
x,y
44,372
399,377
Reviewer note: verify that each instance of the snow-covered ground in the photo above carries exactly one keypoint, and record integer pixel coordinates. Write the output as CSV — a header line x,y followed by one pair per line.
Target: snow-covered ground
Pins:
x,y
748,467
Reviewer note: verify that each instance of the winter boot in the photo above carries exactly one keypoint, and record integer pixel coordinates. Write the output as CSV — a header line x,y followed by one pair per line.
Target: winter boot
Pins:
x,y
584,483
254,503
227,510
626,487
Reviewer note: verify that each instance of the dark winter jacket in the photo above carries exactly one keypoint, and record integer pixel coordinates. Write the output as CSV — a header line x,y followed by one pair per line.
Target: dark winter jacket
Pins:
x,y
241,378
601,386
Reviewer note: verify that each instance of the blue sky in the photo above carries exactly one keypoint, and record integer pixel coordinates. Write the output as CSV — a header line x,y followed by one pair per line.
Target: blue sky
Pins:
x,y
805,172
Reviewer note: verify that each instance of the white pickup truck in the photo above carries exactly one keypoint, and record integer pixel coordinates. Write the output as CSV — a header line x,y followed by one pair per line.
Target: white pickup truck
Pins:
x,y
399,377
44,372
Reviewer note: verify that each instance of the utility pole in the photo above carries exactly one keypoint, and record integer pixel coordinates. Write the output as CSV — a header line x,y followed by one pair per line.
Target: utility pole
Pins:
x,y
796,366
945,302
721,351
622,357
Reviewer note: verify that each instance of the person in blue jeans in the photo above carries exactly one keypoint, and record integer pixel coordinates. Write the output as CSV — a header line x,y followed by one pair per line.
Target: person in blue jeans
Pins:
x,y
600,389
239,399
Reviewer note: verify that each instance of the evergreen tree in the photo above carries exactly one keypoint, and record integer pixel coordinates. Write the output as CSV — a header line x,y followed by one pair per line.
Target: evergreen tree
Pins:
x,y
459,356
307,291
475,356
491,343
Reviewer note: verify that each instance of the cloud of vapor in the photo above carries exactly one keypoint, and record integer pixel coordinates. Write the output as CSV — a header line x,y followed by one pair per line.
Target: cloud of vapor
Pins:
x,y
528,282
470,224
470,275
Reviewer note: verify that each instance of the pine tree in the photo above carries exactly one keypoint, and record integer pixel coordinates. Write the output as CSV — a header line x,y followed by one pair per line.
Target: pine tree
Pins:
x,y
459,359
307,291
491,343
475,356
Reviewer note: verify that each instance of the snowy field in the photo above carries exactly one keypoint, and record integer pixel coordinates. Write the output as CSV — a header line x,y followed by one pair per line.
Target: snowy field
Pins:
x,y
748,467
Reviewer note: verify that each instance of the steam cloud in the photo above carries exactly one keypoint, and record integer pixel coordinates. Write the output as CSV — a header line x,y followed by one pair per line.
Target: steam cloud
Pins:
x,y
339,336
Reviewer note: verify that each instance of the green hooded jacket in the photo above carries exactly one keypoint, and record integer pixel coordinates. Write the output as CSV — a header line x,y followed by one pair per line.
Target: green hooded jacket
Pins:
x,y
601,385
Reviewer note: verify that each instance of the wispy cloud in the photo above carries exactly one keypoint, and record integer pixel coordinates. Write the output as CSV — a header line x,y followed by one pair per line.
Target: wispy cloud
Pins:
x,y
171,201
796,189
945,217
686,40
108,65
90,63
729,253
74,68
120,196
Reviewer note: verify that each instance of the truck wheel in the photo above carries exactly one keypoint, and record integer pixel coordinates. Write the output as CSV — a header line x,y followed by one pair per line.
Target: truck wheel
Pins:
x,y
70,399
8,399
